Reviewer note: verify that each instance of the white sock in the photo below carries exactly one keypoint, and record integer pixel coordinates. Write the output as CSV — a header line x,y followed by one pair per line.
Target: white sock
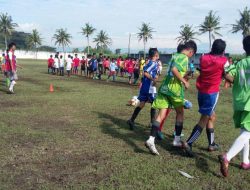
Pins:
x,y
238,145
245,153
177,138
151,139
12,84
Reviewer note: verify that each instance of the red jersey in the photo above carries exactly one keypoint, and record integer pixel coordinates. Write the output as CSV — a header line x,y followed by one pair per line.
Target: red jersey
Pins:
x,y
10,58
50,62
118,62
76,62
212,69
130,66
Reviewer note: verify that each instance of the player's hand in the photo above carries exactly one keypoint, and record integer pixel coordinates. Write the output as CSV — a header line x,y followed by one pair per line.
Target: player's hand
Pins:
x,y
154,82
186,84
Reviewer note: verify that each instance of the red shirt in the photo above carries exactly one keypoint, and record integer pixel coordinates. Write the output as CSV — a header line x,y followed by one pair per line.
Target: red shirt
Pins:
x,y
130,66
212,69
50,62
118,62
10,57
76,62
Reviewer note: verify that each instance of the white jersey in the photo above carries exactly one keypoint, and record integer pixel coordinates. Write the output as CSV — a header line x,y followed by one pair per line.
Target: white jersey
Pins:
x,y
61,62
69,64
56,63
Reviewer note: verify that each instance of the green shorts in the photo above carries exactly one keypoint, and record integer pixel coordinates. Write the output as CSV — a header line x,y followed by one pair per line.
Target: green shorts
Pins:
x,y
164,102
242,119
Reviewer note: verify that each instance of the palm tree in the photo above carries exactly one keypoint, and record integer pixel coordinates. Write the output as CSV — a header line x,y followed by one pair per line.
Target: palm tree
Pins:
x,y
243,24
87,31
211,25
102,40
7,26
34,40
62,38
187,33
145,33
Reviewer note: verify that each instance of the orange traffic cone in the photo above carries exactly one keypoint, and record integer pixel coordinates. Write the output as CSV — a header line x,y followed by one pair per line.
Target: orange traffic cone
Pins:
x,y
51,88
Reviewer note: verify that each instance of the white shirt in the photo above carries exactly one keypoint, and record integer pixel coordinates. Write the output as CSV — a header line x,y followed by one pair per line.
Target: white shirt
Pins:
x,y
61,62
69,62
56,64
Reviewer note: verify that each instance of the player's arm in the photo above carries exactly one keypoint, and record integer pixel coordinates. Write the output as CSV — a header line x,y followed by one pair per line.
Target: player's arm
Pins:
x,y
177,74
229,77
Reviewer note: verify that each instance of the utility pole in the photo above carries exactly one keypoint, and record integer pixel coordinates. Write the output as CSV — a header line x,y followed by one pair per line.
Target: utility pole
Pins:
x,y
129,44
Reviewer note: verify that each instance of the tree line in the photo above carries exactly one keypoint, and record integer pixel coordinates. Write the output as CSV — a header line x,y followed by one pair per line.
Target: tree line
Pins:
x,y
210,25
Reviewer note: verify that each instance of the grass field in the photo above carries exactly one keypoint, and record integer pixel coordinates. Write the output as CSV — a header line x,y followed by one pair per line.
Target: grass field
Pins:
x,y
77,138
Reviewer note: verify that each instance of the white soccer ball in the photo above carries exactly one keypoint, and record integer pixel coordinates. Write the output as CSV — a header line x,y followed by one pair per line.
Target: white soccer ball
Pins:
x,y
135,102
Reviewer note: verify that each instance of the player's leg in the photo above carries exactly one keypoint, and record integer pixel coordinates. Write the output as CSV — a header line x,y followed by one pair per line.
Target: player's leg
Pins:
x,y
136,112
212,146
161,103
207,104
237,146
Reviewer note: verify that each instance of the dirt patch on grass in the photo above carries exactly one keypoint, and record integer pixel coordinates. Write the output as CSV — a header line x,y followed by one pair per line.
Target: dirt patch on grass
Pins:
x,y
61,170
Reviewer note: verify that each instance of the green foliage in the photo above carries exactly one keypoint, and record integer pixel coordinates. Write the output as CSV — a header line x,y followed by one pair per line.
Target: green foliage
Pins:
x,y
243,24
187,33
62,38
20,38
75,50
145,33
34,40
211,25
103,41
7,26
118,51
47,48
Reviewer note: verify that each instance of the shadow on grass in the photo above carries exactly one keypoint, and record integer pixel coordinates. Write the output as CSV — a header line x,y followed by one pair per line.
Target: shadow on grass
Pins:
x,y
141,133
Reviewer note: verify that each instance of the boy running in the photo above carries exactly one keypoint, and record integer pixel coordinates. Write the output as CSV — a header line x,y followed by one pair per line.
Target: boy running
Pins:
x,y
148,89
171,94
240,76
212,68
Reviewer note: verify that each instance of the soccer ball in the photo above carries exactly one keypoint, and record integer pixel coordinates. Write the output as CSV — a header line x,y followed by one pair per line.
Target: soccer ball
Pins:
x,y
187,104
134,101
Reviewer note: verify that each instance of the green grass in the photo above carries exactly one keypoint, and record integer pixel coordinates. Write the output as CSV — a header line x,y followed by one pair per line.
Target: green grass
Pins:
x,y
77,138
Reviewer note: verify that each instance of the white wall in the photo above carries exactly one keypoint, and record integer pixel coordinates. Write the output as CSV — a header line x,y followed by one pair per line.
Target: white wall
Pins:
x,y
21,54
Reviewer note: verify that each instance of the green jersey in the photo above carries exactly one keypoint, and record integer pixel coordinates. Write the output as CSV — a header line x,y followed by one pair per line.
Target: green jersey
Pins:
x,y
241,87
171,86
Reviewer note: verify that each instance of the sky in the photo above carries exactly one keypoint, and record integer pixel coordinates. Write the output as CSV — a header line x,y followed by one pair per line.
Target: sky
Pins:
x,y
121,17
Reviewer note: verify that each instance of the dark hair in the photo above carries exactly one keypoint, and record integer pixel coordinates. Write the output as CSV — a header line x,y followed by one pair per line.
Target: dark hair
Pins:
x,y
56,56
218,47
11,45
61,56
76,54
190,45
152,52
69,56
3,54
180,47
246,44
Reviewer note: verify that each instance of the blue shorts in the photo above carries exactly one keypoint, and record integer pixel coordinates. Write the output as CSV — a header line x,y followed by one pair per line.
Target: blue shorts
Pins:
x,y
146,97
207,103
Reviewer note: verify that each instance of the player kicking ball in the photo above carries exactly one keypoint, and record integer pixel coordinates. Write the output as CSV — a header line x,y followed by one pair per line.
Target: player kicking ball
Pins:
x,y
148,89
171,94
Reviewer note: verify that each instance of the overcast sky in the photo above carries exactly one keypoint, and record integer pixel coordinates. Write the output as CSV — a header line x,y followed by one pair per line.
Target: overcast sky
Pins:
x,y
121,17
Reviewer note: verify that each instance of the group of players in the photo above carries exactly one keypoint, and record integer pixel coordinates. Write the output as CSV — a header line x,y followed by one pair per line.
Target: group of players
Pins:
x,y
214,66
94,67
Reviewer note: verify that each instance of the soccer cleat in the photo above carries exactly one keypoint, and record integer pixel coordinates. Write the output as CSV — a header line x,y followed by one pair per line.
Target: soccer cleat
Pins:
x,y
245,166
177,143
151,147
160,135
131,124
213,147
224,164
188,149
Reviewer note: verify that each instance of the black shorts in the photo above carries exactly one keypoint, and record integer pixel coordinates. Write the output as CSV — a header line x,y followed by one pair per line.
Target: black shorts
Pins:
x,y
83,68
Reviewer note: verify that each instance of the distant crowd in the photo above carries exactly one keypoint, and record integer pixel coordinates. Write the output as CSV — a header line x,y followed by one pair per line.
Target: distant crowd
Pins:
x,y
94,66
